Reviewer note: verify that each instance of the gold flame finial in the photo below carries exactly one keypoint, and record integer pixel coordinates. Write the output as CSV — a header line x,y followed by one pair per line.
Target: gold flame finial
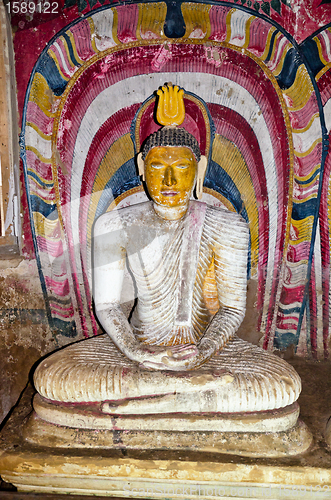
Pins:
x,y
170,108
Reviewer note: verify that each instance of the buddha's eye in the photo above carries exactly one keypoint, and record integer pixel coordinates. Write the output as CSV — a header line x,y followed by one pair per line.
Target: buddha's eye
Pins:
x,y
182,166
156,165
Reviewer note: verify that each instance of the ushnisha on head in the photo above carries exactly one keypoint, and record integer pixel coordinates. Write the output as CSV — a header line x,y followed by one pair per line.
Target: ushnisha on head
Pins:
x,y
170,161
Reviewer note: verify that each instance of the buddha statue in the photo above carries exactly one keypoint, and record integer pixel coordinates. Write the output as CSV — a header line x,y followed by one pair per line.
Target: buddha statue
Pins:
x,y
179,353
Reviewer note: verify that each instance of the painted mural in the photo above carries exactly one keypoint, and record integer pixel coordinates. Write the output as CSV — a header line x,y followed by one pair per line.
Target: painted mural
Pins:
x,y
269,103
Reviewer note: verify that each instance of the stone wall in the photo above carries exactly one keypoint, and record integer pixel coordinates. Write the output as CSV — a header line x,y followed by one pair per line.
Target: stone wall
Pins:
x,y
24,332
106,48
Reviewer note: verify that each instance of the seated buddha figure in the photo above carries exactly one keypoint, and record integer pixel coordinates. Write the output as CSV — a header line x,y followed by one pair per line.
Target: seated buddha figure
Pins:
x,y
179,352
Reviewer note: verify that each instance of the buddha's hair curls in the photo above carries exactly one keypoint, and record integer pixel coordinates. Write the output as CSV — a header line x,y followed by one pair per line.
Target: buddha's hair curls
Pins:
x,y
172,136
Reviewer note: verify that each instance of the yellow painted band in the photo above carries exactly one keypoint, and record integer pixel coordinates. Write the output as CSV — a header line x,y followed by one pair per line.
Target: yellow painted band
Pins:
x,y
300,130
48,202
196,16
228,24
44,181
312,147
267,46
247,31
65,43
92,30
279,35
301,89
306,177
323,70
39,132
310,197
42,95
151,19
115,26
45,227
36,152
319,48
72,39
280,65
53,56
314,181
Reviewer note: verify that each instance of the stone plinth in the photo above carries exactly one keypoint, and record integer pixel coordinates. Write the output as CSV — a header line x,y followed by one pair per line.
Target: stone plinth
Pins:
x,y
293,441
177,474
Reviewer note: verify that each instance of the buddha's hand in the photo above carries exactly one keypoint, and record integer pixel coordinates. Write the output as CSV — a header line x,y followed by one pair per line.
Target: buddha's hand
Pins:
x,y
161,357
184,357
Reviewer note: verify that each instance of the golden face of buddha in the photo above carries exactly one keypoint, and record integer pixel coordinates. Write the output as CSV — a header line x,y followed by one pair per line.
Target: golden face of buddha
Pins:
x,y
170,174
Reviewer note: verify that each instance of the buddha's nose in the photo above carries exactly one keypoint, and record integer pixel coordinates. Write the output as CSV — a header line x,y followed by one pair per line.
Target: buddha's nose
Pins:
x,y
169,177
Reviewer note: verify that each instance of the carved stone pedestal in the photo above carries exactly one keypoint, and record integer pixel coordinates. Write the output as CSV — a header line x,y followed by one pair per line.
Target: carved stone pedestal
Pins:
x,y
261,434
115,462
173,474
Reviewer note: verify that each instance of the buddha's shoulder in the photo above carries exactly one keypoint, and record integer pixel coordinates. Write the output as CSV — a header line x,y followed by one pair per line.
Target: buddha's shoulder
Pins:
x,y
225,218
226,228
124,217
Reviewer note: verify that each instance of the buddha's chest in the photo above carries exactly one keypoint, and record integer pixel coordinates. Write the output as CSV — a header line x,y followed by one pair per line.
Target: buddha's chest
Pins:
x,y
147,253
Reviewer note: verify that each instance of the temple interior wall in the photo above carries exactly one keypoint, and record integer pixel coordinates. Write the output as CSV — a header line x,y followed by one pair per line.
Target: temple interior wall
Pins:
x,y
25,332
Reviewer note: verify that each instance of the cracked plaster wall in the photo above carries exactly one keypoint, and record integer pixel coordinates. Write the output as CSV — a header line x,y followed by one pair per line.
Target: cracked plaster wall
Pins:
x,y
24,332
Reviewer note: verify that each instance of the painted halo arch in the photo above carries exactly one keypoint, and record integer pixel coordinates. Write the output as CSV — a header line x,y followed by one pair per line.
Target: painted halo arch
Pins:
x,y
76,56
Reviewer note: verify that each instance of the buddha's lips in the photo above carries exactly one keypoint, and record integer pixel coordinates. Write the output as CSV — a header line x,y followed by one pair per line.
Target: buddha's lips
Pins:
x,y
169,193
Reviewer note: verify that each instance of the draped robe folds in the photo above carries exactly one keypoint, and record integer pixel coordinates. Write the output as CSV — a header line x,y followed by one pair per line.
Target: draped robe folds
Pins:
x,y
164,312
202,262
174,305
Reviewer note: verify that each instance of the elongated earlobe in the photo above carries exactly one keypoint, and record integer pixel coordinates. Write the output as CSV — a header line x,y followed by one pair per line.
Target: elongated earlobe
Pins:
x,y
202,166
141,166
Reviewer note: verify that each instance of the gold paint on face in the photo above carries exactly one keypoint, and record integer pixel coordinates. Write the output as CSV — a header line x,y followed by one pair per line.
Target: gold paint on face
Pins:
x,y
170,175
